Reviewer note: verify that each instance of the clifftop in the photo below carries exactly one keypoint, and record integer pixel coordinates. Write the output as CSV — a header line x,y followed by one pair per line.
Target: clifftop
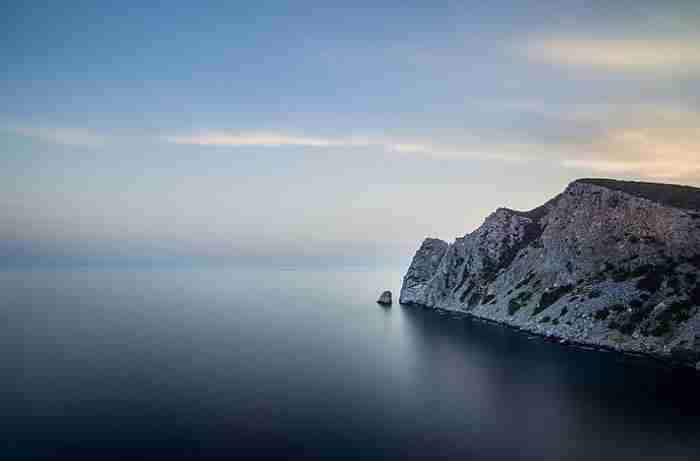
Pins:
x,y
685,197
610,263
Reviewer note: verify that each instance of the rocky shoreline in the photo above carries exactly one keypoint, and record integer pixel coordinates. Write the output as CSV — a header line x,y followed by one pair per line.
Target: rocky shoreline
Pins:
x,y
655,359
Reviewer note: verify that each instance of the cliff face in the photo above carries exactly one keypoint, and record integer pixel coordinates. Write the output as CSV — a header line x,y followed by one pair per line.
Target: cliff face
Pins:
x,y
607,263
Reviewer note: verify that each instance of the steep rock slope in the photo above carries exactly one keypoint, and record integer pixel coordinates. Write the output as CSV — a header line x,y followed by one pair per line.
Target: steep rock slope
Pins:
x,y
607,263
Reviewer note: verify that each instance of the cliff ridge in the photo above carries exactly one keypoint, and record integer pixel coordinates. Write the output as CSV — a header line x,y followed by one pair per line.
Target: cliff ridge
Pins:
x,y
613,264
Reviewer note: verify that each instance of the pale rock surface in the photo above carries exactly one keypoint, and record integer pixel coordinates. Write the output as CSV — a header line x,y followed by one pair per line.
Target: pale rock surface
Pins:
x,y
606,263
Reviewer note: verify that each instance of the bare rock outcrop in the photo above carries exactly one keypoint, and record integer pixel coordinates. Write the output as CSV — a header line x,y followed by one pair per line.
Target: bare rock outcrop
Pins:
x,y
385,299
606,263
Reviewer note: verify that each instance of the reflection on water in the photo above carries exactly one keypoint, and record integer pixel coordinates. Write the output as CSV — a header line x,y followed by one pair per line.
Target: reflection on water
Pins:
x,y
220,362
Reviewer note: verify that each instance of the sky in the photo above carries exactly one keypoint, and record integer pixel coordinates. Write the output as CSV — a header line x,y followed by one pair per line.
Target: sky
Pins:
x,y
325,132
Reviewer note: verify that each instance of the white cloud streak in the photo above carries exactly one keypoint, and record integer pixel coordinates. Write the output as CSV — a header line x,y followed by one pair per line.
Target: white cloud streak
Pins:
x,y
618,55
626,144
661,144
284,140
219,139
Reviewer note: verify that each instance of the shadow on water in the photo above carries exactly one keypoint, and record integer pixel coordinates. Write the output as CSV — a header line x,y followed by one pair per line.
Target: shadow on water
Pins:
x,y
579,394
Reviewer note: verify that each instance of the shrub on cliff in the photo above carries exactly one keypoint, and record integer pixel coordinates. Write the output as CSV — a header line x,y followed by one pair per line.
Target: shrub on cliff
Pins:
x,y
551,296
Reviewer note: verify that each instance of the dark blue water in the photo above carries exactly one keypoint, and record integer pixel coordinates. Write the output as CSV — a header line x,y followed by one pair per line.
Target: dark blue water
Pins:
x,y
292,364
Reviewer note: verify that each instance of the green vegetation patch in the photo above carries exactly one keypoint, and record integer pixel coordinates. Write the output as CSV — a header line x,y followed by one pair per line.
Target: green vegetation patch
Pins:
x,y
617,274
520,301
678,311
639,314
474,299
514,306
661,329
621,275
551,296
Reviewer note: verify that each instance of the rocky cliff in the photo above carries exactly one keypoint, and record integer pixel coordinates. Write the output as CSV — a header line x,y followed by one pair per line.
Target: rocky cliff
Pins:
x,y
606,263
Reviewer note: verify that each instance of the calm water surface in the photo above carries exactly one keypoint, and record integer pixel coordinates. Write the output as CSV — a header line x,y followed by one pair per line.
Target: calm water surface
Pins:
x,y
228,363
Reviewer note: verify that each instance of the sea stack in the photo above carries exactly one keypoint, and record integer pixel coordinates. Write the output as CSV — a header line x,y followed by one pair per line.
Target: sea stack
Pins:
x,y
385,299
610,264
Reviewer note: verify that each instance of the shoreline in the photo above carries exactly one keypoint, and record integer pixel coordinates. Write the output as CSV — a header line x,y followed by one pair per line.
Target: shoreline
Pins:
x,y
655,359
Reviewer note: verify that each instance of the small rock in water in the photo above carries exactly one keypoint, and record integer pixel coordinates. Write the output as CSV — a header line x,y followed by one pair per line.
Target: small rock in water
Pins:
x,y
385,298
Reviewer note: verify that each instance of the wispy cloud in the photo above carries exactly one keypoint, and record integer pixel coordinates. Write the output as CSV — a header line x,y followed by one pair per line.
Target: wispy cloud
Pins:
x,y
654,140
655,143
626,55
69,136
647,152
219,139
660,170
663,144
284,140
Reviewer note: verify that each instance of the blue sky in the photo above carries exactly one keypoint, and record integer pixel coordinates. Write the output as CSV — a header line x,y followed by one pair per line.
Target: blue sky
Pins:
x,y
277,132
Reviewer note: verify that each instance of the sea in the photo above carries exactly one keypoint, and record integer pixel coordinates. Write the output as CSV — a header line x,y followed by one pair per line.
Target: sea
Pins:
x,y
221,362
